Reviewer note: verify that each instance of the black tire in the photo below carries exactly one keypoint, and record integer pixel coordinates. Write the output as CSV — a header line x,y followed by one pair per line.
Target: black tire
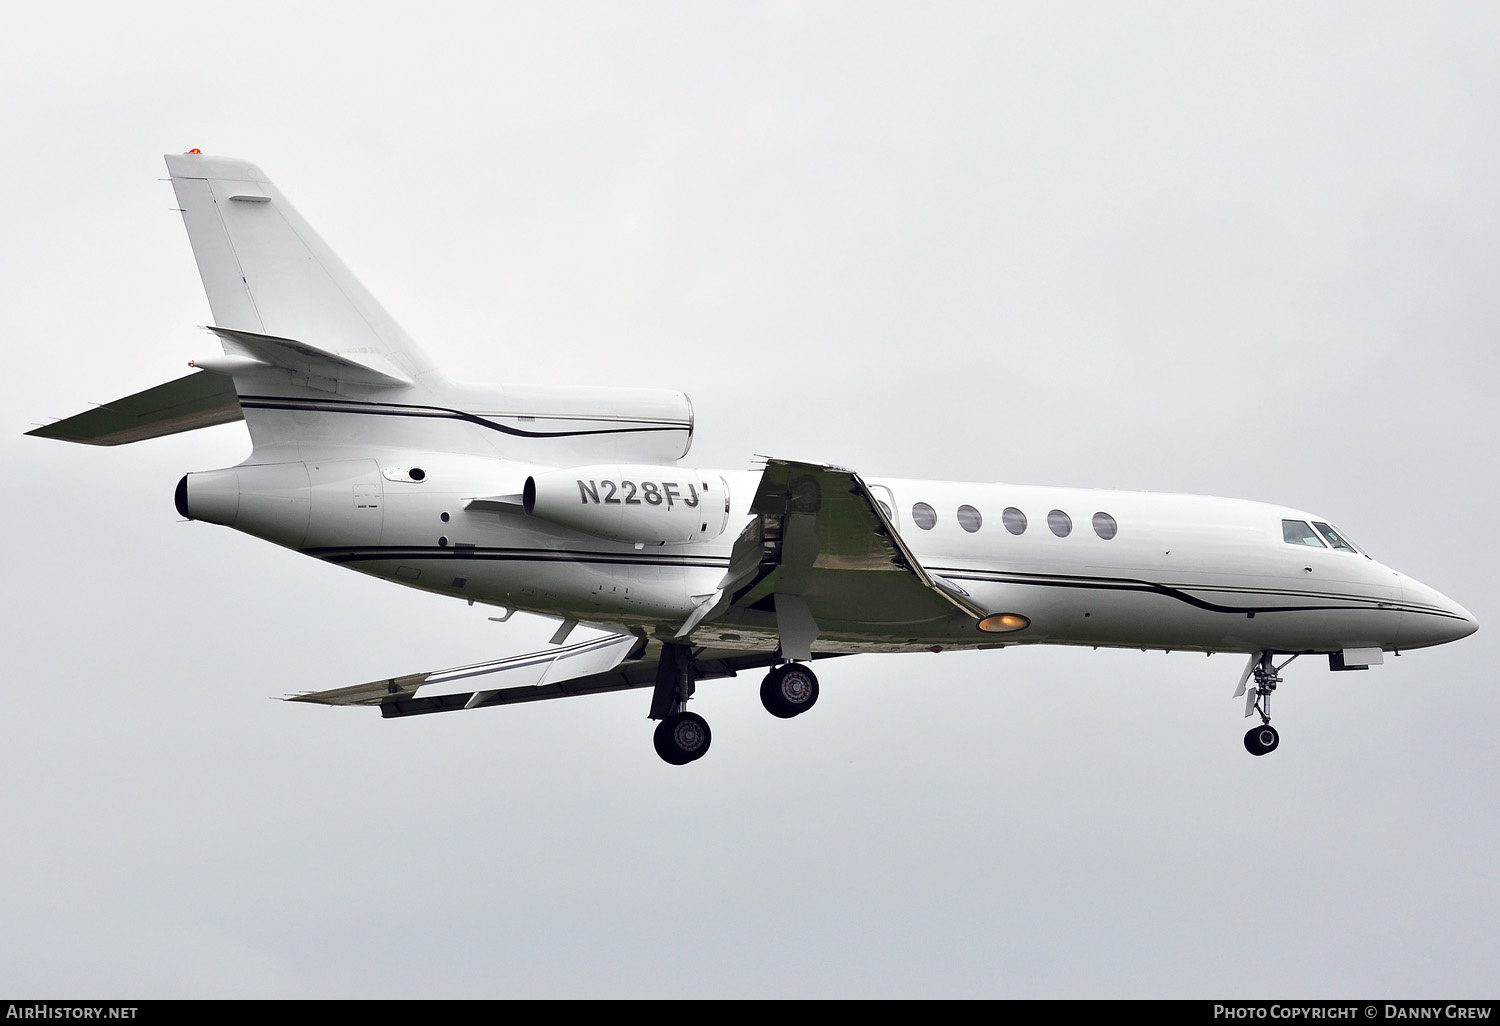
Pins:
x,y
682,738
789,690
1262,740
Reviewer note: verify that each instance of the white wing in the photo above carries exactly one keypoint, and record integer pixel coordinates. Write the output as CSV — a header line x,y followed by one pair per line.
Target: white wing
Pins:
x,y
613,663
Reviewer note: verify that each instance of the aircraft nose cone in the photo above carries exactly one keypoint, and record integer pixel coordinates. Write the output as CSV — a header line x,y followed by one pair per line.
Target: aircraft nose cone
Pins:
x,y
1428,617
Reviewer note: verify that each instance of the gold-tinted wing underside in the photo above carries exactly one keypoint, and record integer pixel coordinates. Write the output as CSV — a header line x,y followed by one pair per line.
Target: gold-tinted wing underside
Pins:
x,y
821,549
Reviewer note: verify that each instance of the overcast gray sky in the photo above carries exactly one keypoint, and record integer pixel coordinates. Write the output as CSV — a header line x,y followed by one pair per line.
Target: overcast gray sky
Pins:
x,y
1244,250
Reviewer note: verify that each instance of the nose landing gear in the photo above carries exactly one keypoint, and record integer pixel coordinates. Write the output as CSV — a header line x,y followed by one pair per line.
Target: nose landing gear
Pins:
x,y
1261,740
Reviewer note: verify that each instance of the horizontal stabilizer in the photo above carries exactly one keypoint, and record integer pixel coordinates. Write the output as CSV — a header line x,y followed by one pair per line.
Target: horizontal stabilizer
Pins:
x,y
367,368
195,401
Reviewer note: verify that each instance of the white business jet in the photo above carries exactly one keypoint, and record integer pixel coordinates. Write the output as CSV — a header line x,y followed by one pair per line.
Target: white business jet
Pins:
x,y
571,502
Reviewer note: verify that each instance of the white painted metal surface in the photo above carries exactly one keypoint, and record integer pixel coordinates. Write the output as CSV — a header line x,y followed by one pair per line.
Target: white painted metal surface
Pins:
x,y
568,502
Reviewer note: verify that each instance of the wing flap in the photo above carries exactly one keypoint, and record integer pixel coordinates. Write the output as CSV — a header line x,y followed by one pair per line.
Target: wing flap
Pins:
x,y
195,401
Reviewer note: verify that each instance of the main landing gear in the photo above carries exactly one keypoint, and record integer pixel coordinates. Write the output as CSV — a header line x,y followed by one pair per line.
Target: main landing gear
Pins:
x,y
1262,740
789,690
682,737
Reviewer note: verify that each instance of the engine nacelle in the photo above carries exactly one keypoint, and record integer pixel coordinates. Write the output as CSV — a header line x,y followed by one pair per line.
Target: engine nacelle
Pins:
x,y
649,505
319,502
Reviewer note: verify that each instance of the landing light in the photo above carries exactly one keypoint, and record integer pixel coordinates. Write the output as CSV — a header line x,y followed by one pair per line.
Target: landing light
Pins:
x,y
1002,623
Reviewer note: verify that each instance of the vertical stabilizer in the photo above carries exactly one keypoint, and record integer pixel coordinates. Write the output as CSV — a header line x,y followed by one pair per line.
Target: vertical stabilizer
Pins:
x,y
267,272
314,365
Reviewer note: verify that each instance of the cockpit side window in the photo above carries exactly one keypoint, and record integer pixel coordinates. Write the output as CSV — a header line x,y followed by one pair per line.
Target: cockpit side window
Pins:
x,y
1296,532
1333,538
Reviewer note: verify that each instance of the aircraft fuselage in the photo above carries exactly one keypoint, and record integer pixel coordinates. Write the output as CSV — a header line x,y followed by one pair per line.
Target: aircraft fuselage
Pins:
x,y
1082,566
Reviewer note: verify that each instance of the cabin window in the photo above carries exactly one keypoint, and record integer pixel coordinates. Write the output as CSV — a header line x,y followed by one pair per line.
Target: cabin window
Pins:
x,y
1333,538
1060,522
884,509
1105,526
1014,520
924,516
969,518
1296,532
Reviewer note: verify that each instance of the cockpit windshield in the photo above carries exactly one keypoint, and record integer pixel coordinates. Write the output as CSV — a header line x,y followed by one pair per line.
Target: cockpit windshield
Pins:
x,y
1333,538
1298,532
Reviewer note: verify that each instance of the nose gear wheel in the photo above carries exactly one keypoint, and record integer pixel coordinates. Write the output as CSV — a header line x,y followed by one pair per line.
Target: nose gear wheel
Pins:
x,y
1262,740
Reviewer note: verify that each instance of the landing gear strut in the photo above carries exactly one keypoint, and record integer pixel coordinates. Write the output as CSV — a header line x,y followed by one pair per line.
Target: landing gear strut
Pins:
x,y
681,737
789,690
1262,740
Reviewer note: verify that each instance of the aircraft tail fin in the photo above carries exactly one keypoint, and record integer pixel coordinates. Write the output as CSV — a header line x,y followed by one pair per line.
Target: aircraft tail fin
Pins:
x,y
268,273
311,360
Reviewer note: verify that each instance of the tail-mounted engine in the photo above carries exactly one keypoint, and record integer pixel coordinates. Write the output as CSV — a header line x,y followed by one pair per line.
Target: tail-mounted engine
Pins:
x,y
313,503
651,505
